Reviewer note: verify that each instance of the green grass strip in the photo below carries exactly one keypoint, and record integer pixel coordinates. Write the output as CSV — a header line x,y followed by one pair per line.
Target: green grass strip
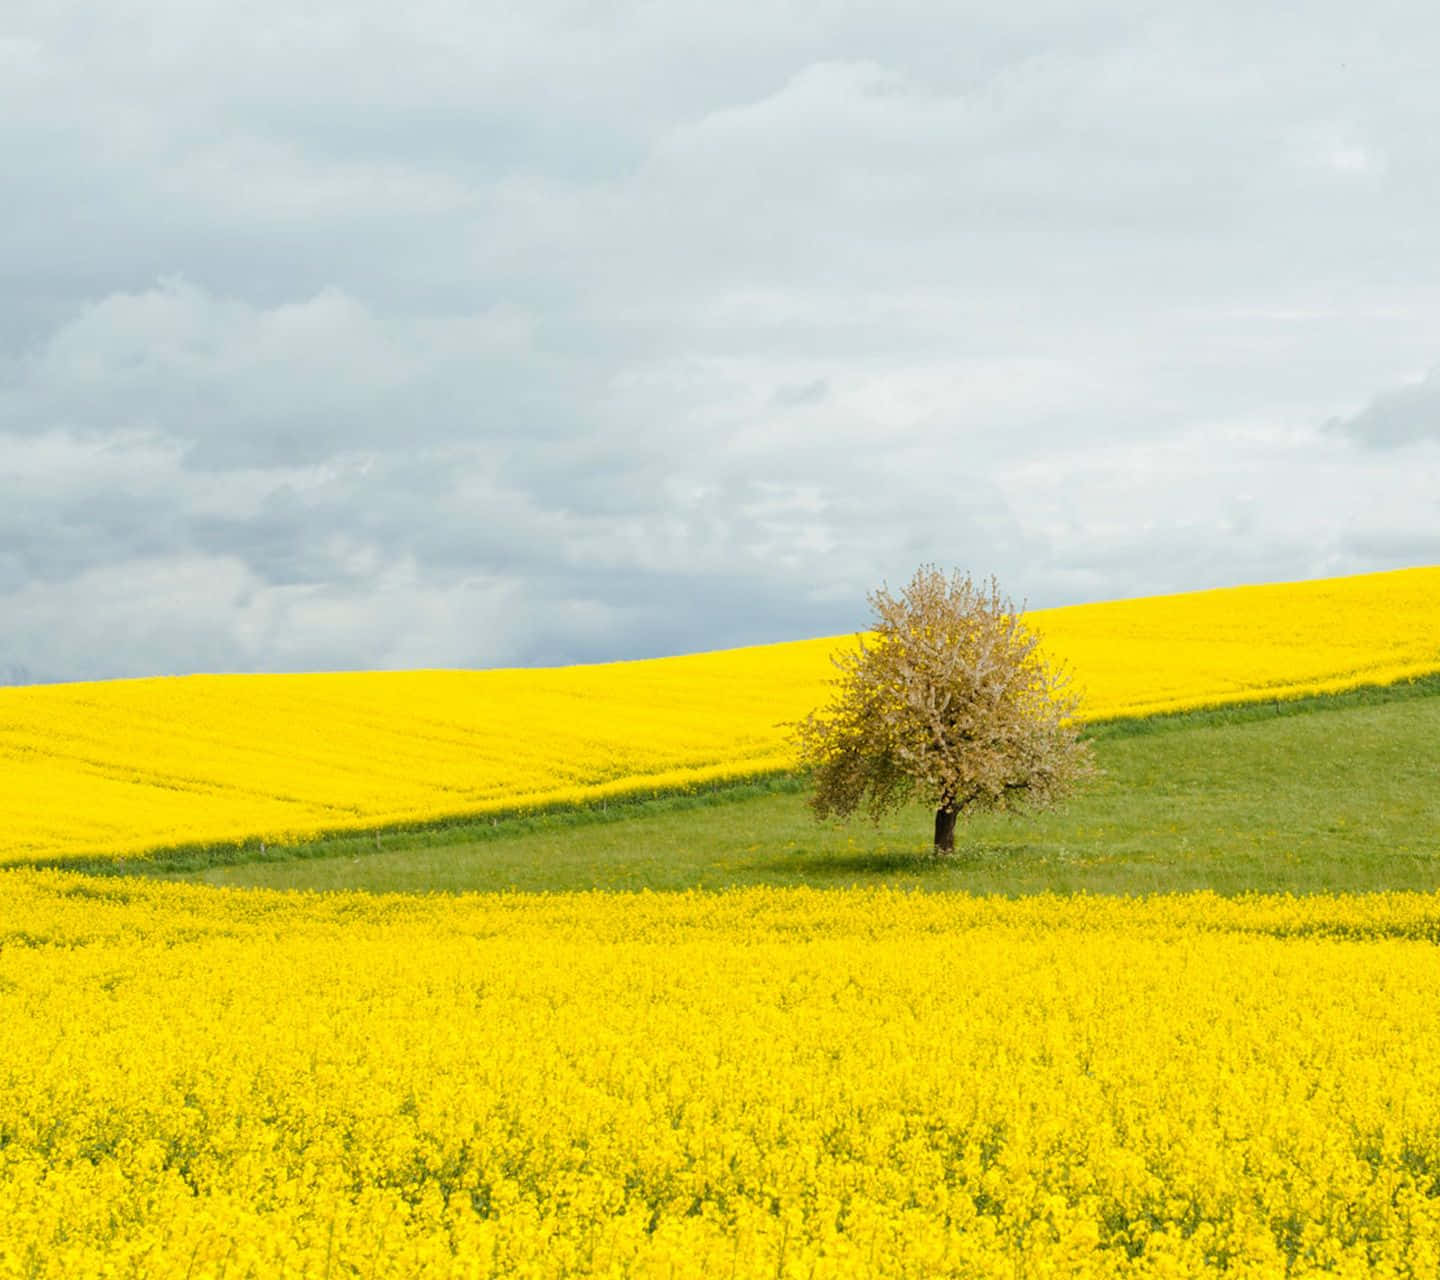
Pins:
x,y
559,819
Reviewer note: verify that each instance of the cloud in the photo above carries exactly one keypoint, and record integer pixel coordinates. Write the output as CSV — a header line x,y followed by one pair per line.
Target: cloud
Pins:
x,y
239,384
1395,418
366,338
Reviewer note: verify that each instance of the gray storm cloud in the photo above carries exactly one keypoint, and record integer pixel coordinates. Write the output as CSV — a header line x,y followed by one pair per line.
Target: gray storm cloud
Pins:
x,y
1398,417
472,335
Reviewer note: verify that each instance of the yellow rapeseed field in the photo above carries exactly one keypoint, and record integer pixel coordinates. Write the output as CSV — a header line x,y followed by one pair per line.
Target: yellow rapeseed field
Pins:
x,y
782,1083
124,767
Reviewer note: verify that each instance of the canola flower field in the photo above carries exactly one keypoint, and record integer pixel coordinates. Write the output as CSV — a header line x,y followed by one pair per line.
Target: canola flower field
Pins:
x,y
131,766
786,1083
780,1083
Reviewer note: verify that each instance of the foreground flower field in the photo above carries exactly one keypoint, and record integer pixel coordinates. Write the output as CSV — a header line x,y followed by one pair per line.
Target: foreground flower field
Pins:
x,y
782,1083
129,766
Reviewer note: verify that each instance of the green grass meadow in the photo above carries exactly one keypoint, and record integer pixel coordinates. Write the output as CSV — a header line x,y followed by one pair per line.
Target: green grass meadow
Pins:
x,y
1331,793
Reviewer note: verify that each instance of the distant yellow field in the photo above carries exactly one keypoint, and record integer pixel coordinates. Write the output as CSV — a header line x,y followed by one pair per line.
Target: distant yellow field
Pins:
x,y
128,766
810,1085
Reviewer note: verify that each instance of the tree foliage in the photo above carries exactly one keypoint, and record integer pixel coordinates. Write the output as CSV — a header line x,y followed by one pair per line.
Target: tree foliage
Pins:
x,y
948,701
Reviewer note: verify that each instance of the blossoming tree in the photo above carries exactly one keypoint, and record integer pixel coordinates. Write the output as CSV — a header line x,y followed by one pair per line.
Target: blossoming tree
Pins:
x,y
947,700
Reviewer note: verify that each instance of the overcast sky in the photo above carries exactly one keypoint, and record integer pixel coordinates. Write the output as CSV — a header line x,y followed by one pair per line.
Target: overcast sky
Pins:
x,y
366,335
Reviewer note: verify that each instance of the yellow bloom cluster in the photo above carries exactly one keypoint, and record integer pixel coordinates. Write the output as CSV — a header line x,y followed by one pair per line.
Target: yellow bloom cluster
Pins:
x,y
788,1083
128,766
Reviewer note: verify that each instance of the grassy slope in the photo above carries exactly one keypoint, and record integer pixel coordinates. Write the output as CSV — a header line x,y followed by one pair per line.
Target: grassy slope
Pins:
x,y
127,767
1333,793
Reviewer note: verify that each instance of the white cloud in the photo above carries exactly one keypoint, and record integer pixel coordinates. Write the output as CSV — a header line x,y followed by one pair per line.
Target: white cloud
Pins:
x,y
175,329
356,335
283,183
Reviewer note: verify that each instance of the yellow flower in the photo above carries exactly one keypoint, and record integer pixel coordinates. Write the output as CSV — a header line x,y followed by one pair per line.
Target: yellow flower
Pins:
x,y
130,766
794,1082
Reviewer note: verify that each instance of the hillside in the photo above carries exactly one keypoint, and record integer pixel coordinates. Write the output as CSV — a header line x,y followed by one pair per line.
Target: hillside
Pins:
x,y
125,767
1331,793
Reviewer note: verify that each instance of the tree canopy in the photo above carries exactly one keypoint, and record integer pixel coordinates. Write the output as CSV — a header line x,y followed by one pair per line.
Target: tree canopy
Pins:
x,y
949,701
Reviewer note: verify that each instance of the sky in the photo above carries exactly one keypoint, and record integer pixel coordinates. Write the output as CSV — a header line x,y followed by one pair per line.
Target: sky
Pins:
x,y
357,335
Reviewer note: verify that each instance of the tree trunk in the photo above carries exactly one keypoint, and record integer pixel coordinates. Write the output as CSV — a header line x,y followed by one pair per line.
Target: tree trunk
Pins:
x,y
945,830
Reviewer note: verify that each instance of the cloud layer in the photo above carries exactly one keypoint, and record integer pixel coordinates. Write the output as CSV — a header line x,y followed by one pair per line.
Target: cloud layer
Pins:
x,y
378,337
